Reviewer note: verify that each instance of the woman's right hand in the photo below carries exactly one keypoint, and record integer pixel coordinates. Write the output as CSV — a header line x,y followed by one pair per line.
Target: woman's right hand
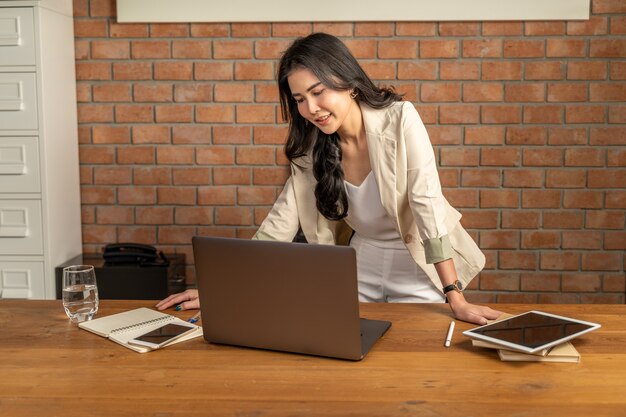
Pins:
x,y
185,300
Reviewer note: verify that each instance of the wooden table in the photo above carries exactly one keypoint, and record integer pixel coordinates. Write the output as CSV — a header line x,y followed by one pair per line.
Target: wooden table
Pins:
x,y
49,367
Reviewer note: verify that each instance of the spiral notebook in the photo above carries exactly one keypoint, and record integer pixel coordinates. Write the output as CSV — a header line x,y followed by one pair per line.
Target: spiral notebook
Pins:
x,y
126,326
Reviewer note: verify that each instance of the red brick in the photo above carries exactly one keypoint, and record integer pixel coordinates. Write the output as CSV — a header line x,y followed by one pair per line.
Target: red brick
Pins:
x,y
595,25
193,92
172,113
500,156
616,199
150,49
96,154
581,282
562,260
110,49
529,92
608,136
445,135
213,70
567,136
558,298
231,135
82,49
97,71
461,198
481,219
581,239
270,176
600,179
250,30
459,157
544,28
215,113
209,30
617,114
254,71
270,135
484,135
99,234
191,134
215,155
153,92
618,25
151,134
97,195
128,30
80,8
480,178
373,29
524,49
85,175
616,157
582,199
111,134
482,48
255,113
441,92
585,114
584,157
232,49
607,48
169,30
501,114
499,239
152,176
83,93
608,6
615,240
544,70
193,215
215,196
614,283
397,48
542,157
567,92
175,235
155,215
483,92
255,195
175,70
135,155
136,195
233,216
379,70
541,240
270,49
543,114
231,176
255,155
499,281
502,28
586,70
525,219
459,114
191,176
266,93
234,92
175,155
502,70
132,71
602,261
566,48
113,92
459,29
523,178
112,176
613,219
176,195
601,298
540,281
291,29
134,113
526,135
438,49
562,220
541,199
459,70
146,235
415,28
607,92
565,178
449,177
499,198
191,49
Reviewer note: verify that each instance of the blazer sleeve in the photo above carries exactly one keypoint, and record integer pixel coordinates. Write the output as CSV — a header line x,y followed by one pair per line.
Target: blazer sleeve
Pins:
x,y
426,199
282,221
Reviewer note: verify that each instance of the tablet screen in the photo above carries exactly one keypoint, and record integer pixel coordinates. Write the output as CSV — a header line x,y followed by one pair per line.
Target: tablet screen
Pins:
x,y
532,331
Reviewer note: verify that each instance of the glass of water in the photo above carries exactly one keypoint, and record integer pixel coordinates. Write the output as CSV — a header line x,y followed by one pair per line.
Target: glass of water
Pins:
x,y
80,293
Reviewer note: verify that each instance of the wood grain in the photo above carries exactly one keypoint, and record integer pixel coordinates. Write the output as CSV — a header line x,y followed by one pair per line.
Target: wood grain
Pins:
x,y
51,367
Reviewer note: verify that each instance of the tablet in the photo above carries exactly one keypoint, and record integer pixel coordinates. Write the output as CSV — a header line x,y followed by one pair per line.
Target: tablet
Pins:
x,y
532,331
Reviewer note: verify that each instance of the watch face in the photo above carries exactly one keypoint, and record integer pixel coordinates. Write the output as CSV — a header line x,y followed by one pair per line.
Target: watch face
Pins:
x,y
459,285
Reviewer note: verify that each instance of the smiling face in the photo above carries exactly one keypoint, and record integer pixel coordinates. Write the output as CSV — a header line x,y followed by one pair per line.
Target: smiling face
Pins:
x,y
323,106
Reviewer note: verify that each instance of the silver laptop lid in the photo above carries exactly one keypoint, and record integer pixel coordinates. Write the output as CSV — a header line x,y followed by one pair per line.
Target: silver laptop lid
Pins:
x,y
282,296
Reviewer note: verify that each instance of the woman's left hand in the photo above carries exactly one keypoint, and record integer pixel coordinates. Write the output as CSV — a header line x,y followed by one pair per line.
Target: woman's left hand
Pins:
x,y
473,313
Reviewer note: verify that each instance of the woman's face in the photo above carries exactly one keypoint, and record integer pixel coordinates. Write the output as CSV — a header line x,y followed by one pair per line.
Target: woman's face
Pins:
x,y
321,105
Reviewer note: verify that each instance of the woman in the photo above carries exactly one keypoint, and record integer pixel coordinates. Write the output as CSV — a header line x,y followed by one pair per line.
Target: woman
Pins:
x,y
363,173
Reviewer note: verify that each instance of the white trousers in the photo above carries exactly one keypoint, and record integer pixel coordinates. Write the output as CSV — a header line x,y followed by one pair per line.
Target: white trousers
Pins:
x,y
387,273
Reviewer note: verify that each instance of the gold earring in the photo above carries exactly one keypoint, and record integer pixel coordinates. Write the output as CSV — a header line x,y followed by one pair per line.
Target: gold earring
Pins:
x,y
353,94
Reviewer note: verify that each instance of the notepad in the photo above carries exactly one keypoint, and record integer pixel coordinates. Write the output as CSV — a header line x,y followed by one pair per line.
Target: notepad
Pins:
x,y
122,327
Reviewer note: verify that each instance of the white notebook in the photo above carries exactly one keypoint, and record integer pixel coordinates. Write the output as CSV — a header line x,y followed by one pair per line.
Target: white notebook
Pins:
x,y
123,327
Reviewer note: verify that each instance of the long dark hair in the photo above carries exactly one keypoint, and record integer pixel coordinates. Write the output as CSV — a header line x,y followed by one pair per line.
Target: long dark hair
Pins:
x,y
333,64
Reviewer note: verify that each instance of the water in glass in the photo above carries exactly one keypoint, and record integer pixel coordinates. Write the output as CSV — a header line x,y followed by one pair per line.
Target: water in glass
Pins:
x,y
80,293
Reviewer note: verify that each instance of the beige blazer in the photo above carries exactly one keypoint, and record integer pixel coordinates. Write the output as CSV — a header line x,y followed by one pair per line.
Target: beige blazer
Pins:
x,y
405,169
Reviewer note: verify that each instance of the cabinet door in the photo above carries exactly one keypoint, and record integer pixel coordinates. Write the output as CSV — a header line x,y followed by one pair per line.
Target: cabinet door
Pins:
x,y
17,36
21,279
18,101
21,227
19,165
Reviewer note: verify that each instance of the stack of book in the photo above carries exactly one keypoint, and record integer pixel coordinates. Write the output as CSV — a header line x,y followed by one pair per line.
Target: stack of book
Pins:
x,y
565,352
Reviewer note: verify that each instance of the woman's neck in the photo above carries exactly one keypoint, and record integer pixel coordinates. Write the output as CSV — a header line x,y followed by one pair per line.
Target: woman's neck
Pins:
x,y
351,130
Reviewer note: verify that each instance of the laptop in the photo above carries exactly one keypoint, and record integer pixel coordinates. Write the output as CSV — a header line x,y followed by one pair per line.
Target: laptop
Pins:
x,y
292,297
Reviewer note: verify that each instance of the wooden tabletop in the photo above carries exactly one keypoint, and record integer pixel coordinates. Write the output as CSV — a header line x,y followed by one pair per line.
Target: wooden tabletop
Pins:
x,y
50,367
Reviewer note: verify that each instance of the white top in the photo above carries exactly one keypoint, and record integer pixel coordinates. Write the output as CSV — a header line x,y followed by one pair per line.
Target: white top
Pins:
x,y
366,214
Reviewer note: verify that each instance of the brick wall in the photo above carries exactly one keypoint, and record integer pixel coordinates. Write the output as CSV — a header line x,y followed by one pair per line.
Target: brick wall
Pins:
x,y
181,135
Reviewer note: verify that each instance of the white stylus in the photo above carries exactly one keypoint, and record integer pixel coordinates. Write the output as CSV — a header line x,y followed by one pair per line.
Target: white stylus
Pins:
x,y
449,335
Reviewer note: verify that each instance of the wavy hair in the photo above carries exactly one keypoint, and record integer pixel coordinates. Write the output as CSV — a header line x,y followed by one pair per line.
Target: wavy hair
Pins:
x,y
336,68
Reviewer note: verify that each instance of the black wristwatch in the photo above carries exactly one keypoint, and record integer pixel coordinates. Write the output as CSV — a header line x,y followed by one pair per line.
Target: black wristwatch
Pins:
x,y
456,286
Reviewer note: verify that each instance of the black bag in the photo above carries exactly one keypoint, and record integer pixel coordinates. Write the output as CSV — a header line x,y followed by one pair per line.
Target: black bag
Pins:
x,y
133,253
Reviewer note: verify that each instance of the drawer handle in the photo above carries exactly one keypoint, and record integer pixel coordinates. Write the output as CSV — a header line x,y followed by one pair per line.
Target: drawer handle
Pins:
x,y
13,160
10,40
14,222
11,105
12,169
15,293
14,231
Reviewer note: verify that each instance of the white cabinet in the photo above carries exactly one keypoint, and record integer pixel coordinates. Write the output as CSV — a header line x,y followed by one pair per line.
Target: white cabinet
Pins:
x,y
40,224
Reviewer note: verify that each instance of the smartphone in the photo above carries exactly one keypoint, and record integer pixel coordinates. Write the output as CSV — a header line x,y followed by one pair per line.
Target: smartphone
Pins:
x,y
160,337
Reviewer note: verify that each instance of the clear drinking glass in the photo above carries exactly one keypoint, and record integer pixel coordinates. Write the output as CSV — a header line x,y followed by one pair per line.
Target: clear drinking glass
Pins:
x,y
80,292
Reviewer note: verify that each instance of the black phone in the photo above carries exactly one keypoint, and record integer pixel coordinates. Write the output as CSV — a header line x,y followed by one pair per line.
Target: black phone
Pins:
x,y
162,336
133,253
